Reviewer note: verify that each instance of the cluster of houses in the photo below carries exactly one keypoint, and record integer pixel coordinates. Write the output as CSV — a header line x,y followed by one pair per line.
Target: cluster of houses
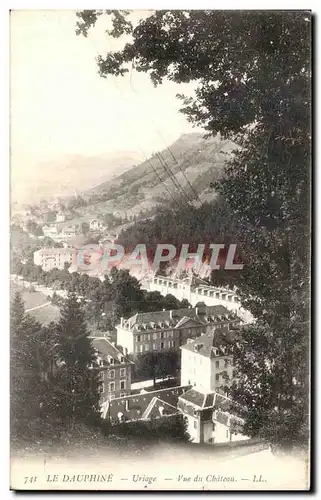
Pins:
x,y
68,231
205,337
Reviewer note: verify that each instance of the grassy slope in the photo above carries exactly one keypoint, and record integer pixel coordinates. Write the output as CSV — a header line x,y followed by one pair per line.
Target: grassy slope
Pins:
x,y
201,160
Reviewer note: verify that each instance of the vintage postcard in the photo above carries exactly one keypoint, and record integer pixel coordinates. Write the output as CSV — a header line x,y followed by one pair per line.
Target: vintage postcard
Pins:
x,y
160,249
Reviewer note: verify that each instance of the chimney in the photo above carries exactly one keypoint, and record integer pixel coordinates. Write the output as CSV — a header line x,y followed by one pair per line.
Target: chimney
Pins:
x,y
171,314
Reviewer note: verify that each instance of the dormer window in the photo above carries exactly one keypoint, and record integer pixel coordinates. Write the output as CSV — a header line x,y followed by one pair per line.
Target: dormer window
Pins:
x,y
122,359
101,362
111,361
207,319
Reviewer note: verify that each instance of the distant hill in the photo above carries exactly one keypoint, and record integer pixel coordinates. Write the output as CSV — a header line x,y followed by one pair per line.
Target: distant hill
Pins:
x,y
69,174
200,161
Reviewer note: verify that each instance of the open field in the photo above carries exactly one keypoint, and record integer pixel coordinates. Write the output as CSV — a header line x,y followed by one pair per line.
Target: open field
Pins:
x,y
44,314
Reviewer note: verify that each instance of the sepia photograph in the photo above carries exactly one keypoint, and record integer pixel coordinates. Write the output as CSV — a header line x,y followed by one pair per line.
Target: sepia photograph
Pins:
x,y
160,250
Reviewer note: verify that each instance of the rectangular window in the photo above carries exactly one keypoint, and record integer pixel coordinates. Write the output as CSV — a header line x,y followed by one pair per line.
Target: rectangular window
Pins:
x,y
217,364
162,345
111,373
101,376
123,372
141,348
154,346
217,376
123,384
226,363
101,388
154,336
146,347
227,434
138,338
111,386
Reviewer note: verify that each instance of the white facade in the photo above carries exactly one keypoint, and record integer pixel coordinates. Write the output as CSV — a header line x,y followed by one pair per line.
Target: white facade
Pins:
x,y
60,217
213,432
95,225
211,296
195,370
170,329
50,258
204,372
125,338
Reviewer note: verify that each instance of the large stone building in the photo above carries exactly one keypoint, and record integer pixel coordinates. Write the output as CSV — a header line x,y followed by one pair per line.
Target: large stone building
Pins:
x,y
50,258
207,361
114,370
207,364
161,330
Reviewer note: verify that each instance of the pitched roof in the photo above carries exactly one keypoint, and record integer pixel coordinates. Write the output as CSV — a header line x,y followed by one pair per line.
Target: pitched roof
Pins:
x,y
107,350
213,344
213,400
134,407
157,408
175,316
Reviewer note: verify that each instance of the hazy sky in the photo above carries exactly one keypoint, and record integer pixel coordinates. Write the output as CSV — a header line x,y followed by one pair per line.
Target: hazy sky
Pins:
x,y
60,105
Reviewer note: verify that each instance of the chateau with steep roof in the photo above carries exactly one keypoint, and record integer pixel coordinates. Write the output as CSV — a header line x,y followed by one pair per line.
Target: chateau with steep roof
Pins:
x,y
170,329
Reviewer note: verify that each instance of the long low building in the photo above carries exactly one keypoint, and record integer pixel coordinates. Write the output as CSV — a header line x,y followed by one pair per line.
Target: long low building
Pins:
x,y
161,330
195,289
